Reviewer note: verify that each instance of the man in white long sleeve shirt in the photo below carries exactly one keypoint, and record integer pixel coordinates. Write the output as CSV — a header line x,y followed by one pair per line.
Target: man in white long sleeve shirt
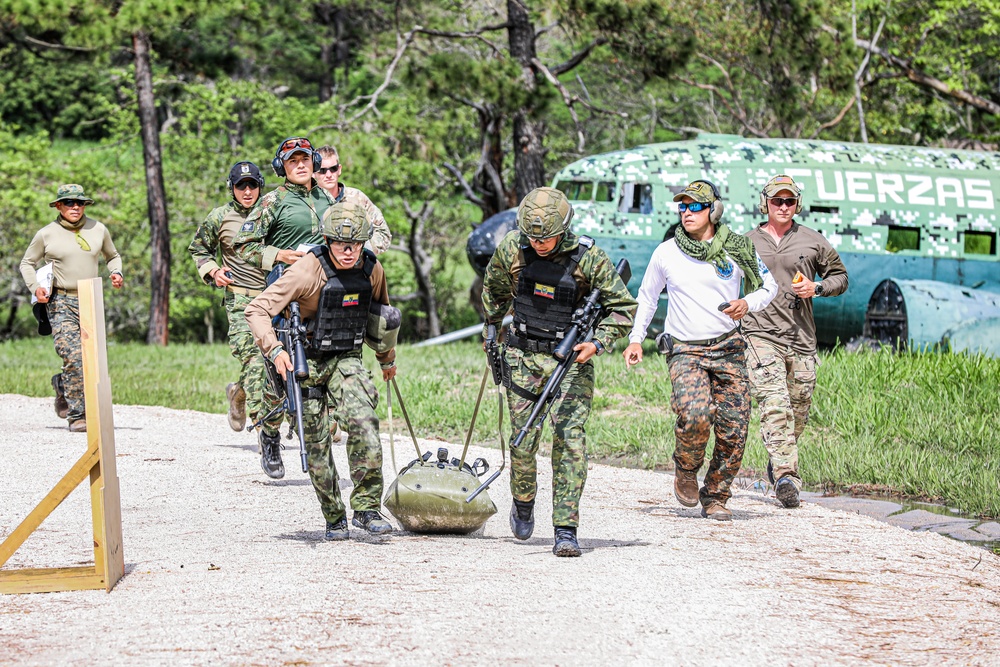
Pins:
x,y
702,268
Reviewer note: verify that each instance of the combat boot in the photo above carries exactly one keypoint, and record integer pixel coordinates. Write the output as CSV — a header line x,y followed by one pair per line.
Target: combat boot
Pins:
x,y
686,487
62,405
237,406
78,426
270,455
336,532
371,521
522,518
787,492
566,544
717,510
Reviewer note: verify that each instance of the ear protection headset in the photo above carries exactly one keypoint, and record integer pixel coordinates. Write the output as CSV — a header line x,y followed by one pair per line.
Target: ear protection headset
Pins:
x,y
716,208
229,179
278,165
762,203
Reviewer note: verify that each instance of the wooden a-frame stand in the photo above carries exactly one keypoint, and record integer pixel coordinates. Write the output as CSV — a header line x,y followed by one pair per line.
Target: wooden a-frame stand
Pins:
x,y
98,462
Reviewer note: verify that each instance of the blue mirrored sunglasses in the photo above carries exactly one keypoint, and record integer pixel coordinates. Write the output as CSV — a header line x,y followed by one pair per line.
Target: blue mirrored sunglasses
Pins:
x,y
694,207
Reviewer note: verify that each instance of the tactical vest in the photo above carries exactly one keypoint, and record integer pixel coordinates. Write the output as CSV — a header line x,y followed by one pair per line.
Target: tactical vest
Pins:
x,y
547,294
342,315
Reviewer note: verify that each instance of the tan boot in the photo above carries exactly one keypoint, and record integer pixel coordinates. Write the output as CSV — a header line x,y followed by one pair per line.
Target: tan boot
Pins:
x,y
78,426
686,487
62,406
716,510
237,406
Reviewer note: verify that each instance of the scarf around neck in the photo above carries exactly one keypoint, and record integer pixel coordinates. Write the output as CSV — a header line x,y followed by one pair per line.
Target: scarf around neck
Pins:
x,y
723,246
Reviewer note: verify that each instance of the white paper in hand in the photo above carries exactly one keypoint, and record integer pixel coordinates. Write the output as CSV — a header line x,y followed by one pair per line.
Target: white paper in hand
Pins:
x,y
44,278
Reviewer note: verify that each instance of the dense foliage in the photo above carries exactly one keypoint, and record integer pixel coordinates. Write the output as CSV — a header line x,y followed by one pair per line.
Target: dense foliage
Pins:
x,y
453,108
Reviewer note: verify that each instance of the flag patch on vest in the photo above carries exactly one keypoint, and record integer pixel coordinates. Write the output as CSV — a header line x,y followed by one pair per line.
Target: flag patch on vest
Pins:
x,y
545,291
349,300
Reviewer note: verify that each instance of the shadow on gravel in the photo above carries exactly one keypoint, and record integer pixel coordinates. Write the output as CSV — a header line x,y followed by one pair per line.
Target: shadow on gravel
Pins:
x,y
282,482
249,448
318,537
695,513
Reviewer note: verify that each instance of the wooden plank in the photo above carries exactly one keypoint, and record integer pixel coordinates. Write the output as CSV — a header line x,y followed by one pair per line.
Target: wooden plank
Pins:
x,y
50,580
109,559
59,493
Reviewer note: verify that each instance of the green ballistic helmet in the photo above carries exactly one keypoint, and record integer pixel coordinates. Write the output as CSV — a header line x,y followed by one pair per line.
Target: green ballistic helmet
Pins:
x,y
544,213
348,222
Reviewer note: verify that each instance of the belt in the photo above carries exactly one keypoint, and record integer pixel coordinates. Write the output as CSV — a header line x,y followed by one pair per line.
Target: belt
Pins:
x,y
709,341
67,292
243,290
531,344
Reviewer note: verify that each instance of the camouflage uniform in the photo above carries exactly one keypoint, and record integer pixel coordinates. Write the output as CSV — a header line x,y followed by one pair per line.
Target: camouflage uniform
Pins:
x,y
342,388
710,386
215,236
74,251
530,370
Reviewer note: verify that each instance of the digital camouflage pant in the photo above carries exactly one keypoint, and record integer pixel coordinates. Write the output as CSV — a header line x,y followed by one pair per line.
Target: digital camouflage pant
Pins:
x,y
350,396
567,419
64,316
710,388
782,383
253,378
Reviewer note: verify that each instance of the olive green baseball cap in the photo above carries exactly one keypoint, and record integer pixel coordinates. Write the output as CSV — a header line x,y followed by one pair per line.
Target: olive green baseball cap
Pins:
x,y
70,191
779,183
699,191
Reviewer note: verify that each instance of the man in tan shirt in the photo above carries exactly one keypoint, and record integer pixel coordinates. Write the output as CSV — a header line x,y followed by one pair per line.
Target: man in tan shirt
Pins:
x,y
337,285
73,243
781,338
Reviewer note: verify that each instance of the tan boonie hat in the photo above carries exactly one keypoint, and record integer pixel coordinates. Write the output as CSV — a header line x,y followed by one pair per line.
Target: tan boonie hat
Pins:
x,y
779,183
699,191
346,221
70,191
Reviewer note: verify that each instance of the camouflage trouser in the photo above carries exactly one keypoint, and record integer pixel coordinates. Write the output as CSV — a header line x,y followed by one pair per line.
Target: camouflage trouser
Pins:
x,y
252,375
710,386
64,315
569,439
350,397
782,383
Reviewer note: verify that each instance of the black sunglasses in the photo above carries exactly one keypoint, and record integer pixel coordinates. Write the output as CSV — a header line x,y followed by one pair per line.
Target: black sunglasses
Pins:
x,y
71,203
784,201
324,170
247,185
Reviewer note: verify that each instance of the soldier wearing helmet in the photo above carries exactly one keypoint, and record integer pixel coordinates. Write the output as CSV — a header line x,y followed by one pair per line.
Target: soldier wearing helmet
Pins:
x,y
218,265
782,337
702,268
341,290
543,271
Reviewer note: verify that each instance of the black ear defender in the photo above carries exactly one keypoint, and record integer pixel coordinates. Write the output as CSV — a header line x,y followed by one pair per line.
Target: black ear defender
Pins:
x,y
716,208
278,165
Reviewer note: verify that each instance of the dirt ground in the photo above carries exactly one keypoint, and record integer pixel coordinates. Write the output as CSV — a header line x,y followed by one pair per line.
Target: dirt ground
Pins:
x,y
226,567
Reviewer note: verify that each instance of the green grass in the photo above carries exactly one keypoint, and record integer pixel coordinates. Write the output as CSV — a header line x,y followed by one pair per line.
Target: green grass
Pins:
x,y
921,424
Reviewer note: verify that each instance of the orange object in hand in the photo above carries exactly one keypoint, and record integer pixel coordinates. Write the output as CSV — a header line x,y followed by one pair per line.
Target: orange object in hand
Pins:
x,y
798,278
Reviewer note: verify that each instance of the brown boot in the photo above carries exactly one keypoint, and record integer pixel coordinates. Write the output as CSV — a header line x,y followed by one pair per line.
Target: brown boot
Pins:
x,y
716,510
78,426
237,406
686,487
62,406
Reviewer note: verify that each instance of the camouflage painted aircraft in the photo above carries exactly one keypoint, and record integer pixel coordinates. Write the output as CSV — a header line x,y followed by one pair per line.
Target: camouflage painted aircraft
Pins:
x,y
916,227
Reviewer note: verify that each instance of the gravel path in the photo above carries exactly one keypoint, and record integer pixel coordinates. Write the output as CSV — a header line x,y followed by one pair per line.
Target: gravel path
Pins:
x,y
226,567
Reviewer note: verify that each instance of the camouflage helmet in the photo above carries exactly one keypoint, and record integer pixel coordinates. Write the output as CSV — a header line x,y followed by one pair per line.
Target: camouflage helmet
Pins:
x,y
544,213
346,221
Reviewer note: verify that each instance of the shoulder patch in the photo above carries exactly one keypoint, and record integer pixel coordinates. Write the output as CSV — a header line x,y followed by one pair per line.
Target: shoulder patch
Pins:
x,y
247,226
586,242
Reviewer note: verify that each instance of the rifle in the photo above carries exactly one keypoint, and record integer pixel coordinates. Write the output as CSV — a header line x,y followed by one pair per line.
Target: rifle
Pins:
x,y
584,321
292,334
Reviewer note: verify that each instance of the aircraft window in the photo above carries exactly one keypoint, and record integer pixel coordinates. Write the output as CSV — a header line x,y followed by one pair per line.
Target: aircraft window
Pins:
x,y
576,190
605,192
980,243
636,198
903,238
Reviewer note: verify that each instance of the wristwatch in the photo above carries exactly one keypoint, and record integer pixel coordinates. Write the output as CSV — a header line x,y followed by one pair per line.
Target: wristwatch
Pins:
x,y
600,348
819,288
